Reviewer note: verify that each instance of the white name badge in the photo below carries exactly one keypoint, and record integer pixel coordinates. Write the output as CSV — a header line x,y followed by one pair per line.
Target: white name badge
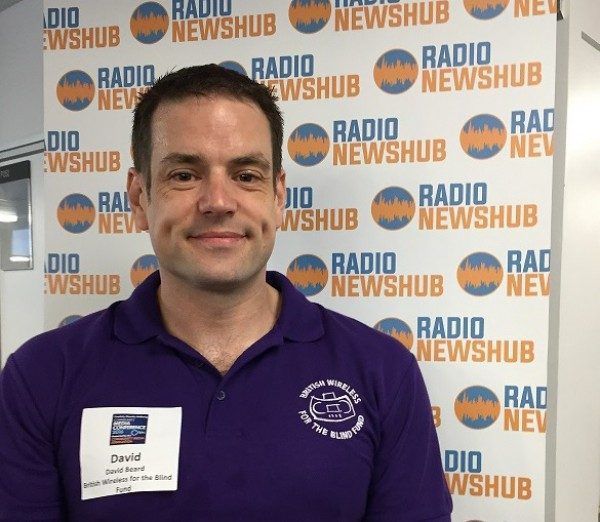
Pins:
x,y
125,450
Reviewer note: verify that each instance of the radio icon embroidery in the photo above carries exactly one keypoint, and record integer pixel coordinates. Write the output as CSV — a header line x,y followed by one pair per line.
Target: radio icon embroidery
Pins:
x,y
331,408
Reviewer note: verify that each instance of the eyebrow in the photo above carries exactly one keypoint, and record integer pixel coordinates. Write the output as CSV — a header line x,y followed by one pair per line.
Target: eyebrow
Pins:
x,y
178,157
258,159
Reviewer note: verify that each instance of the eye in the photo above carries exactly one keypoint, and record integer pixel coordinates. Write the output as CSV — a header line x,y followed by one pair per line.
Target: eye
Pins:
x,y
247,177
182,176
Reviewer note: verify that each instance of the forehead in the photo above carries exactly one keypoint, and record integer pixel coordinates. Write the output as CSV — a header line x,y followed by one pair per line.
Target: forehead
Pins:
x,y
209,118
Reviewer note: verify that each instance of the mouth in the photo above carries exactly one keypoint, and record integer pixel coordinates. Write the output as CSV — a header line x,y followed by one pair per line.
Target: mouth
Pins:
x,y
218,238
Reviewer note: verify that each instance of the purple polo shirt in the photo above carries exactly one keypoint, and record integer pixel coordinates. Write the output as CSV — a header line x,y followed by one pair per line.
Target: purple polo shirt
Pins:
x,y
323,419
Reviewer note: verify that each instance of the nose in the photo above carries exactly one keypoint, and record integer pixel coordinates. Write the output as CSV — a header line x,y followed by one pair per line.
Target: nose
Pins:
x,y
217,195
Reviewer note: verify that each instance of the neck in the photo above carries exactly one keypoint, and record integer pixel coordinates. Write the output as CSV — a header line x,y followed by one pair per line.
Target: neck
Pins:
x,y
209,317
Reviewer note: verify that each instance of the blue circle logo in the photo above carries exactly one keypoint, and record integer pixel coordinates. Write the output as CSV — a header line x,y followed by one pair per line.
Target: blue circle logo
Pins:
x,y
395,71
483,136
397,329
149,23
308,144
309,16
393,208
308,274
142,267
477,407
75,90
76,213
485,9
479,274
234,66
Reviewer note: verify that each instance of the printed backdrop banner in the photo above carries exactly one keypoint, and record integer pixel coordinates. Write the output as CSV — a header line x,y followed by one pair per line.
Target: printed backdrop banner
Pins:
x,y
418,150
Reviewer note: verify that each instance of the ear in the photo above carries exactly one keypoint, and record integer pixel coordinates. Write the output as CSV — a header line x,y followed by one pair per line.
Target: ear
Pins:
x,y
138,198
280,197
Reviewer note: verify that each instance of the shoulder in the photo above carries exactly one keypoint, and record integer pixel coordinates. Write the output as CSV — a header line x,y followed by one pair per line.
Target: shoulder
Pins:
x,y
372,356
54,367
50,371
66,341
361,339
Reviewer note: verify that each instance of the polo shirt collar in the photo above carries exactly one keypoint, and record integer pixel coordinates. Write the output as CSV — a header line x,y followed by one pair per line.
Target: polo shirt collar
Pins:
x,y
299,319
138,318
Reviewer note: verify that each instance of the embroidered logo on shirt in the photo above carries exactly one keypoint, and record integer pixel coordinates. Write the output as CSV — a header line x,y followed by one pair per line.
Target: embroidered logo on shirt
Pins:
x,y
128,428
331,409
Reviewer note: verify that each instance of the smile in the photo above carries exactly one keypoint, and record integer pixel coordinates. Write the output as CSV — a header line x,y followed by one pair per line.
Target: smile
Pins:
x,y
219,239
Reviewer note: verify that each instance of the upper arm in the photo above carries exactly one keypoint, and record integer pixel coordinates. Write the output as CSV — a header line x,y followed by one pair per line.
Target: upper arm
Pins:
x,y
30,486
408,482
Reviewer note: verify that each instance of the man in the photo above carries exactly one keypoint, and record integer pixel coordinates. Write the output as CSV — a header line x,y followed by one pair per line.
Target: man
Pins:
x,y
216,391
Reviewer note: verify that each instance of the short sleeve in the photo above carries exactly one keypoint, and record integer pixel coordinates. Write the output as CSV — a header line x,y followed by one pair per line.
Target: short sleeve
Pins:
x,y
408,482
29,481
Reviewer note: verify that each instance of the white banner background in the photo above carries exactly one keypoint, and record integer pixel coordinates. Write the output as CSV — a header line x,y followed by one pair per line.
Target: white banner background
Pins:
x,y
503,476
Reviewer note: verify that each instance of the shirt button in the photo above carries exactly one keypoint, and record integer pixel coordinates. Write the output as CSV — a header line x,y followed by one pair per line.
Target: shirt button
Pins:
x,y
221,395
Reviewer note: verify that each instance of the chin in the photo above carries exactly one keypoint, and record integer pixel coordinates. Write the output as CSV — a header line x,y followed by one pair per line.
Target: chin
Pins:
x,y
219,282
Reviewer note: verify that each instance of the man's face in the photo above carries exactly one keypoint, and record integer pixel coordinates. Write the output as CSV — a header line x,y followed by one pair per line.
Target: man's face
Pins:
x,y
212,212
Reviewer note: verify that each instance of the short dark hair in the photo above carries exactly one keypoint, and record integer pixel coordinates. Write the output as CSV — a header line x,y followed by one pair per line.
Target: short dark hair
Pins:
x,y
198,81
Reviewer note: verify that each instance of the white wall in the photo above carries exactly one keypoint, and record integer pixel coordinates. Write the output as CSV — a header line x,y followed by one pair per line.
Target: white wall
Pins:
x,y
21,121
573,450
